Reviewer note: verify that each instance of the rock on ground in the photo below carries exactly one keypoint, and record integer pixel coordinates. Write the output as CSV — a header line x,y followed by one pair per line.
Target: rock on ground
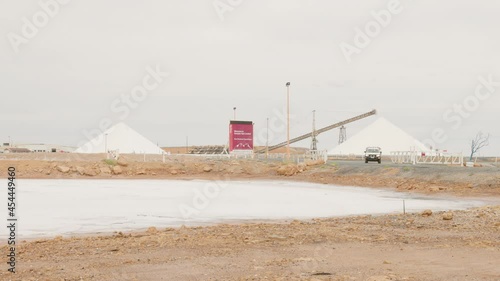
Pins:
x,y
63,169
105,170
122,162
427,213
448,216
80,170
117,170
90,172
288,170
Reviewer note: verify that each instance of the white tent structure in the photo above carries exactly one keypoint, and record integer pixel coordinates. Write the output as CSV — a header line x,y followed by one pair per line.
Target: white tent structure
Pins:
x,y
122,138
380,133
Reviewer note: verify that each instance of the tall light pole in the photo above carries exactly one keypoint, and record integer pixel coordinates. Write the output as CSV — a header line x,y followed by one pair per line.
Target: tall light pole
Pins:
x,y
288,119
106,144
234,113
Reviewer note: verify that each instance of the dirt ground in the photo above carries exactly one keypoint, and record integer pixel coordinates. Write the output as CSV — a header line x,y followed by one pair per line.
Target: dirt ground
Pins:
x,y
459,245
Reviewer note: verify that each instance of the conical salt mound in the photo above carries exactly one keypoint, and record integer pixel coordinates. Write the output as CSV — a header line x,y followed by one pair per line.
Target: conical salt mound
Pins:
x,y
380,133
122,138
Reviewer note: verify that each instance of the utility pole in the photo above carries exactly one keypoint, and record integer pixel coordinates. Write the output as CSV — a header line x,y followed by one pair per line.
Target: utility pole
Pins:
x,y
314,142
288,119
234,113
267,137
187,144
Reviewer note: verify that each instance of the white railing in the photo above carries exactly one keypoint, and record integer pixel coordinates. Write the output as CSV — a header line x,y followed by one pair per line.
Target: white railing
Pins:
x,y
418,157
345,157
310,155
71,157
299,158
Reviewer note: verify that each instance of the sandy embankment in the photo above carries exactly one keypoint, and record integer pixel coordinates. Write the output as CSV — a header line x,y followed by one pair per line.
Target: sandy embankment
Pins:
x,y
427,179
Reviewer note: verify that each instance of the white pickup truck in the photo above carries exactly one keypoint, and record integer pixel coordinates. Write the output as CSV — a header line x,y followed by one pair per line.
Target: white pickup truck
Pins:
x,y
373,154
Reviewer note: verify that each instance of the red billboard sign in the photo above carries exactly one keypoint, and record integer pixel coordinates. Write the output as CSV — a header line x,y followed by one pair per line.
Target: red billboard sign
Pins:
x,y
240,136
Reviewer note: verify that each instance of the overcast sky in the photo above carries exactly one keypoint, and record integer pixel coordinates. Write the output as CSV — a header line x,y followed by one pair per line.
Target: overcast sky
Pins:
x,y
63,79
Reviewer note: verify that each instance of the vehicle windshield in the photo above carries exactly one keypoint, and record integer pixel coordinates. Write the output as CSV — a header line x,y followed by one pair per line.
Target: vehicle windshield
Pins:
x,y
372,150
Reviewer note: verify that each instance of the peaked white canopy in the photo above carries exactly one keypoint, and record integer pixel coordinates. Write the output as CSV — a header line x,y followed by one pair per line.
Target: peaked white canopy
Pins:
x,y
380,133
122,138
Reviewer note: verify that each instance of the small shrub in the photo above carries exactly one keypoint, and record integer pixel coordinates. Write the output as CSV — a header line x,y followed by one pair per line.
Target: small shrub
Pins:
x,y
110,162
